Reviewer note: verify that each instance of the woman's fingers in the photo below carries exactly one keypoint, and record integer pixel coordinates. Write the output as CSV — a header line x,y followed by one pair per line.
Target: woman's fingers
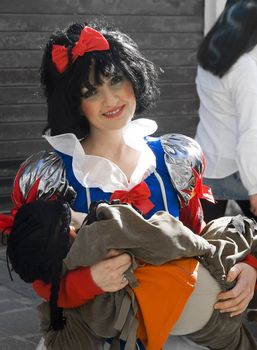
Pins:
x,y
236,300
108,274
235,305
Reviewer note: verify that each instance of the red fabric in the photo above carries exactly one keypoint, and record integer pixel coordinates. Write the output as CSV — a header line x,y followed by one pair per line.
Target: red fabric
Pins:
x,y
192,215
138,196
16,194
60,57
251,260
89,40
76,288
200,190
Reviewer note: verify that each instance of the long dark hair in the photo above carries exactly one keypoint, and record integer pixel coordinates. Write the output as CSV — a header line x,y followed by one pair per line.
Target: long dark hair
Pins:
x,y
63,90
37,244
233,34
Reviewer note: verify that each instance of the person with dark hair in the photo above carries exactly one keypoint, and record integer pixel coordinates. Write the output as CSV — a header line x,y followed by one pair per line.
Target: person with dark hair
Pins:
x,y
66,66
96,80
227,87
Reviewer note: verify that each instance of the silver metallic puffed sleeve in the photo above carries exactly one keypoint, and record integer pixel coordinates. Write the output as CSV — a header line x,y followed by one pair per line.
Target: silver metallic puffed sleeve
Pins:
x,y
183,156
45,172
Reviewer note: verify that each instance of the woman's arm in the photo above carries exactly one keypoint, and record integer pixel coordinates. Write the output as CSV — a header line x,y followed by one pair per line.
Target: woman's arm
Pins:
x,y
81,285
76,288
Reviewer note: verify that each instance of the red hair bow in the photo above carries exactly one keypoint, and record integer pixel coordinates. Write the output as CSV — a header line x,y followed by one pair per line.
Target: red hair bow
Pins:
x,y
138,196
89,40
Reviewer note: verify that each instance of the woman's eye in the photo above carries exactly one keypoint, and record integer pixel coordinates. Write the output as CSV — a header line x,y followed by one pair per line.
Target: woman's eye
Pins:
x,y
117,79
85,93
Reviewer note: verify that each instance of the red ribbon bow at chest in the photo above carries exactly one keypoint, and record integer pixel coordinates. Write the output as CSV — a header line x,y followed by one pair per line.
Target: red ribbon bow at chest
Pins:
x,y
138,196
89,40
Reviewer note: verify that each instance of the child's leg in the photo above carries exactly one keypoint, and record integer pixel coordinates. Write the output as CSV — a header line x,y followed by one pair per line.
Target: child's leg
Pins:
x,y
179,342
199,306
196,313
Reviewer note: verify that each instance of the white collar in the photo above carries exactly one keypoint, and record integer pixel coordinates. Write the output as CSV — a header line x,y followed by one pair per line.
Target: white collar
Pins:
x,y
94,171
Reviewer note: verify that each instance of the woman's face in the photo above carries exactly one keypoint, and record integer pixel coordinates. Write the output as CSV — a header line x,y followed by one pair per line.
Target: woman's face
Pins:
x,y
109,106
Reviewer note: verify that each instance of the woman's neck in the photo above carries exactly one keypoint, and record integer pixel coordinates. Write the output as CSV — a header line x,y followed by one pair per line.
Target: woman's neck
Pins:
x,y
108,145
113,147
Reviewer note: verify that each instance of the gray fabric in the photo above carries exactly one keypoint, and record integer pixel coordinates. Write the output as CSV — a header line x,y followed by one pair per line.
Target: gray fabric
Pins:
x,y
234,238
225,332
75,335
156,241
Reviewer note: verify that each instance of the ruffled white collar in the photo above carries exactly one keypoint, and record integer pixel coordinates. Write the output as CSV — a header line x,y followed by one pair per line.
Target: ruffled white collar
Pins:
x,y
94,171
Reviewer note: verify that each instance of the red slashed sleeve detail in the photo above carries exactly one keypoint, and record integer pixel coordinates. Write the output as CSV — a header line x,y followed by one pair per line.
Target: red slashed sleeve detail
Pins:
x,y
192,215
76,288
252,261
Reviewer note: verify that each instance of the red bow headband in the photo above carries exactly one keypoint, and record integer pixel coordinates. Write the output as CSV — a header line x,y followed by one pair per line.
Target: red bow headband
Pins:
x,y
89,40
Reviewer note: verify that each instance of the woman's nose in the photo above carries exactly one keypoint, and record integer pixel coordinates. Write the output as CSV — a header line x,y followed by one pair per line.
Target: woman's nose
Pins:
x,y
110,97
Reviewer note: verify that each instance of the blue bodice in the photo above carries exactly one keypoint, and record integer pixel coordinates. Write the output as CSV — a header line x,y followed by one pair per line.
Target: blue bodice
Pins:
x,y
159,183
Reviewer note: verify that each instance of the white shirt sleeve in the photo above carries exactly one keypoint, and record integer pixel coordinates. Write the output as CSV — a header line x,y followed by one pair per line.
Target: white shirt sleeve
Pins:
x,y
244,95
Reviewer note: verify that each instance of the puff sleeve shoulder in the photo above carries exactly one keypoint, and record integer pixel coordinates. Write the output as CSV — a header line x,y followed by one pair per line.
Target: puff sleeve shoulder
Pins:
x,y
43,176
185,162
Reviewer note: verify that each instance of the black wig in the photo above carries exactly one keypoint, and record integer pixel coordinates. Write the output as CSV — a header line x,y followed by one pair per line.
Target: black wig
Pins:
x,y
63,90
233,34
37,244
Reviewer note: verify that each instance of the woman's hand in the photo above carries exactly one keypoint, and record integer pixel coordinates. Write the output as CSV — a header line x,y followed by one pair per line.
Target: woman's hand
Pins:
x,y
253,204
236,300
108,274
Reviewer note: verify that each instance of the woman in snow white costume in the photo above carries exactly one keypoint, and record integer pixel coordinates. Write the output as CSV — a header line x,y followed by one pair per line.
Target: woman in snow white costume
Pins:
x,y
95,80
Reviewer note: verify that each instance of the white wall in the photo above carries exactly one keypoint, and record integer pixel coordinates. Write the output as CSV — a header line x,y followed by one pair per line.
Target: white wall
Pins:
x,y
212,9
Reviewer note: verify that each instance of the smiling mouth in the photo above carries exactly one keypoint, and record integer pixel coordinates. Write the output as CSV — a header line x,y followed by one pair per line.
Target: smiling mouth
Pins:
x,y
114,113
